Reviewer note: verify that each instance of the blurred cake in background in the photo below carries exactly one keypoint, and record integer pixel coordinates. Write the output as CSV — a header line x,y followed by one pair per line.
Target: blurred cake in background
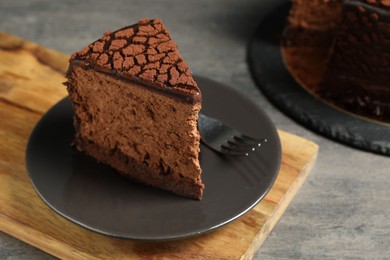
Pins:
x,y
340,51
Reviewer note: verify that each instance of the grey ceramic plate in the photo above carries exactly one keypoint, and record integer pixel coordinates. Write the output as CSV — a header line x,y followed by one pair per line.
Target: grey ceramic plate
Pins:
x,y
97,198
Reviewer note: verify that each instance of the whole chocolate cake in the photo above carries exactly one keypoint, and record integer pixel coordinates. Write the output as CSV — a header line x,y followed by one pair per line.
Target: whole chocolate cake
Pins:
x,y
356,37
136,107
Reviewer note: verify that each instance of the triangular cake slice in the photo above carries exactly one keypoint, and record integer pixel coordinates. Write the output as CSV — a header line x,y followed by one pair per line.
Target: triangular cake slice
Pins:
x,y
136,107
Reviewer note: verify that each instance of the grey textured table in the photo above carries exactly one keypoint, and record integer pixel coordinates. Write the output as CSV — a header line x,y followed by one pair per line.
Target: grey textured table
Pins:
x,y
343,209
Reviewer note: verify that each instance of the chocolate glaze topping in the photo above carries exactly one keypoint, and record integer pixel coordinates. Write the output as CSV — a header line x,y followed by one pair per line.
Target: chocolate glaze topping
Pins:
x,y
144,53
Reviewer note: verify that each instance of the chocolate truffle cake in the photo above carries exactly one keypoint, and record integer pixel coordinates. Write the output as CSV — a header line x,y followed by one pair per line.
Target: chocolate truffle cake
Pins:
x,y
356,71
136,107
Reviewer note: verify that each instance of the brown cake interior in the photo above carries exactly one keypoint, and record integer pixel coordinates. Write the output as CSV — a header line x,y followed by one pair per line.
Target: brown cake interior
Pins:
x,y
318,15
137,131
308,39
136,107
312,22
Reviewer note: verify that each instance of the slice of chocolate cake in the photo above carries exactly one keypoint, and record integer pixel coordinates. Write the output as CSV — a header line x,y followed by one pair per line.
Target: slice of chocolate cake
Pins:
x,y
136,107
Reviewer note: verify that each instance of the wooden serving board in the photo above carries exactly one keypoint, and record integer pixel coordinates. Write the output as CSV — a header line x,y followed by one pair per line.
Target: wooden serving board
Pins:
x,y
30,83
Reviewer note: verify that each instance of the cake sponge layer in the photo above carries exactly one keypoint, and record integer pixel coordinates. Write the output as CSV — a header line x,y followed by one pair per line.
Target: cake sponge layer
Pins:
x,y
145,134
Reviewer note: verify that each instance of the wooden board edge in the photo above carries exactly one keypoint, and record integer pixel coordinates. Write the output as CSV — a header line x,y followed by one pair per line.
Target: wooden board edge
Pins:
x,y
51,245
283,204
286,135
45,242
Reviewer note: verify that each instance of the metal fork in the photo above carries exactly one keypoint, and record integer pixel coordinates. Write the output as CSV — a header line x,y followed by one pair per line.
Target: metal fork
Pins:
x,y
224,139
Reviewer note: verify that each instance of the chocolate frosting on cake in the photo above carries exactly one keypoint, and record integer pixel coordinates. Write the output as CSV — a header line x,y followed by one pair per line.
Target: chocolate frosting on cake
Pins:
x,y
144,53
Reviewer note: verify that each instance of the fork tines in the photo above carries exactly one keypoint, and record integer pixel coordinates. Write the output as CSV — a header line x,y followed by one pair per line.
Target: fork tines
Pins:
x,y
242,145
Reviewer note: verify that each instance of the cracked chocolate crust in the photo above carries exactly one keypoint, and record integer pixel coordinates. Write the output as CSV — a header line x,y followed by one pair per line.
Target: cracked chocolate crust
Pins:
x,y
143,53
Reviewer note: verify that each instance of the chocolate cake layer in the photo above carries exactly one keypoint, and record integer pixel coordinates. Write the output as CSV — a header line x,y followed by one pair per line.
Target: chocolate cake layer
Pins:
x,y
129,124
357,77
315,15
313,22
143,52
298,37
140,172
